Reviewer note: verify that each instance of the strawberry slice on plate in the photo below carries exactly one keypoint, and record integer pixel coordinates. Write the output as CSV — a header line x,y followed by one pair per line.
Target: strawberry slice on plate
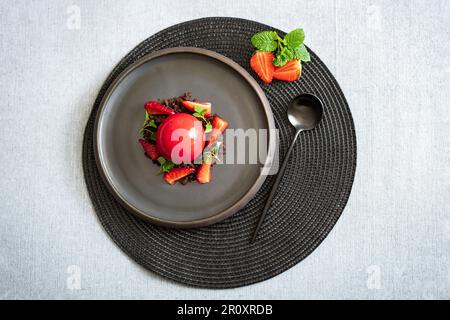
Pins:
x,y
291,71
218,127
192,105
154,107
204,173
262,63
176,174
150,149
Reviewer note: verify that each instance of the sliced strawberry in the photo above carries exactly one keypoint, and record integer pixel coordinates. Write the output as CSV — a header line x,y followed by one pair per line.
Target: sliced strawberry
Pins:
x,y
291,71
176,174
150,149
219,125
154,107
204,173
261,63
191,106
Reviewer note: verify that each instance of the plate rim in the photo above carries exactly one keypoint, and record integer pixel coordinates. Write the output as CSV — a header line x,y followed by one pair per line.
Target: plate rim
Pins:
x,y
222,215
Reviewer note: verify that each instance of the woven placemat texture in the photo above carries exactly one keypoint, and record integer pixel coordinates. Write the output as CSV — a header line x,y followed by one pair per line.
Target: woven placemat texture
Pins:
x,y
311,197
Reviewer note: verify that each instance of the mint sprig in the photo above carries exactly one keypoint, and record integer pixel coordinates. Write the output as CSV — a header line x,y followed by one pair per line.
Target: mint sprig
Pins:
x,y
200,114
166,165
284,56
148,123
212,153
285,49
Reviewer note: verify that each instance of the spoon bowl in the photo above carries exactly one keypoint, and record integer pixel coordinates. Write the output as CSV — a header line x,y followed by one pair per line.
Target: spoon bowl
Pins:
x,y
305,112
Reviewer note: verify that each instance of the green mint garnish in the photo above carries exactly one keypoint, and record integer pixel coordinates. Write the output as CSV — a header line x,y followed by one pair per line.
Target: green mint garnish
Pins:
x,y
295,38
265,41
200,114
285,49
207,157
200,110
166,165
161,160
213,152
148,123
301,53
208,127
284,56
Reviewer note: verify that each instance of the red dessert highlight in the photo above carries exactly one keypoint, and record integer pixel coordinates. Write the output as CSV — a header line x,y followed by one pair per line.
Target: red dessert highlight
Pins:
x,y
180,138
174,137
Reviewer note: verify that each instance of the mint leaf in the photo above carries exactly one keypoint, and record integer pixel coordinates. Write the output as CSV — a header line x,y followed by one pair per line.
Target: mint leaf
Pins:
x,y
153,136
166,165
294,38
207,157
208,127
148,123
283,56
200,110
197,115
215,150
265,41
161,160
301,53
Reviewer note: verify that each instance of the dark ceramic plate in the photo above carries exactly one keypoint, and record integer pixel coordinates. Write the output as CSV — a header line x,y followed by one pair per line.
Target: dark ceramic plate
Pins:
x,y
133,179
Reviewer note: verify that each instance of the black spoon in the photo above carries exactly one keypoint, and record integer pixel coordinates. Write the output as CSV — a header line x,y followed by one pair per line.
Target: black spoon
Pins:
x,y
304,113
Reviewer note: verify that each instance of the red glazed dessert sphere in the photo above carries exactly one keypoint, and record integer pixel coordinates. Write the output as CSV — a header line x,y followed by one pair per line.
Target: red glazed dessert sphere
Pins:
x,y
180,138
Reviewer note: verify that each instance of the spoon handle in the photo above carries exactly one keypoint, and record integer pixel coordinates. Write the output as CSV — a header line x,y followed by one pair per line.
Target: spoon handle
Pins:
x,y
275,186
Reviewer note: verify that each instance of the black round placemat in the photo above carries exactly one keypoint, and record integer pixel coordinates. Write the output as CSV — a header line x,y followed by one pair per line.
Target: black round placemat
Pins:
x,y
311,197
